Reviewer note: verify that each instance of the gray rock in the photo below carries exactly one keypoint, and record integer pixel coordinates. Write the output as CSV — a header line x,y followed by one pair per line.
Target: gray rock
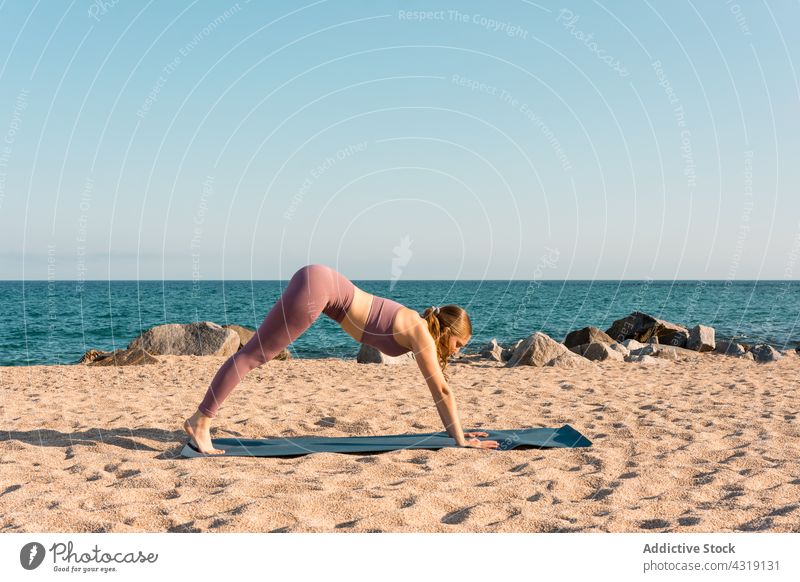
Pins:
x,y
597,351
641,327
676,337
648,360
203,338
370,355
701,339
509,351
129,357
493,351
539,349
666,352
621,348
570,360
632,344
765,353
729,348
645,350
245,333
587,335
92,355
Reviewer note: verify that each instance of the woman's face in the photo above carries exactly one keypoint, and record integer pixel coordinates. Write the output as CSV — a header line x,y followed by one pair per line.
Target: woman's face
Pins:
x,y
456,343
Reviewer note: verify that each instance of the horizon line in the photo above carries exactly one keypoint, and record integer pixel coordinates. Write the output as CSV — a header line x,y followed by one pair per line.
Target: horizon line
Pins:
x,y
398,281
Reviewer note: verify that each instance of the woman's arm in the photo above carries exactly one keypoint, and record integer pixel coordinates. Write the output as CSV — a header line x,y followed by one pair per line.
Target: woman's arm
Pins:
x,y
442,394
448,411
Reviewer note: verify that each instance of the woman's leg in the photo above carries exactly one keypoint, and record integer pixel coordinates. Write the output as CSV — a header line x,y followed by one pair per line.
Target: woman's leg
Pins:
x,y
300,304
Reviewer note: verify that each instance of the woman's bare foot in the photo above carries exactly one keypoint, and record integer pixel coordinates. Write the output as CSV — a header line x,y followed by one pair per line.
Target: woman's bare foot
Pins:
x,y
198,427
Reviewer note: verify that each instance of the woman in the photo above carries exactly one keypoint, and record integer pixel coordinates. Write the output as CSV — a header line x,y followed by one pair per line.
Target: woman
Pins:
x,y
382,323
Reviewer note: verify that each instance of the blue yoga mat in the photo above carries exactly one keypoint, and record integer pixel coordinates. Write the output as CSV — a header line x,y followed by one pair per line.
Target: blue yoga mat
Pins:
x,y
564,437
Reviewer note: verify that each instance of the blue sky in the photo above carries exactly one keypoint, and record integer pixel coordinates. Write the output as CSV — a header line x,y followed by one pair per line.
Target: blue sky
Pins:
x,y
425,140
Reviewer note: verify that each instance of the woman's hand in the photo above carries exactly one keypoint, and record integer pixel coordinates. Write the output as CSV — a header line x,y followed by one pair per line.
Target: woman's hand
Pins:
x,y
477,444
476,434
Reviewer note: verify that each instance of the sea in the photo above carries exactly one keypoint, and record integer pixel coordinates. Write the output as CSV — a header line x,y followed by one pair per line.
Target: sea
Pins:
x,y
56,322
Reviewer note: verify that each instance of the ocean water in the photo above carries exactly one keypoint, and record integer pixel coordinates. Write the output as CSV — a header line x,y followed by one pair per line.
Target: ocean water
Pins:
x,y
55,322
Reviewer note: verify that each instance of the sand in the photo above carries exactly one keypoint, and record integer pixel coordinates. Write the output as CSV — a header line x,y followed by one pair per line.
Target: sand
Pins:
x,y
710,445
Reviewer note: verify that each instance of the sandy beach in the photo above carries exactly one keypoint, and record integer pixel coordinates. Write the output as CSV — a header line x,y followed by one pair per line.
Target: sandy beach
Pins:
x,y
708,445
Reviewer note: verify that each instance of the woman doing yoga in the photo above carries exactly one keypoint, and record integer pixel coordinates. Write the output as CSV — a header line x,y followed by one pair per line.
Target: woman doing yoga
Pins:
x,y
382,323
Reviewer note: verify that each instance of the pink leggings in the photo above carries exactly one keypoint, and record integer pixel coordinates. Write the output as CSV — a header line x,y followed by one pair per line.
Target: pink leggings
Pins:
x,y
312,290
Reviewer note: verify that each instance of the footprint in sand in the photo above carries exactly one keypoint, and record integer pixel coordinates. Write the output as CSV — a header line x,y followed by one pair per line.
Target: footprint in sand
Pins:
x,y
735,455
10,489
458,516
704,478
758,524
512,513
600,494
326,421
654,524
239,509
128,473
785,510
187,527
733,494
593,461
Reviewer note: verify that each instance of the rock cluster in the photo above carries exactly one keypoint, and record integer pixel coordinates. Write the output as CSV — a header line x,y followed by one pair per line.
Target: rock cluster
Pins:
x,y
638,337
202,338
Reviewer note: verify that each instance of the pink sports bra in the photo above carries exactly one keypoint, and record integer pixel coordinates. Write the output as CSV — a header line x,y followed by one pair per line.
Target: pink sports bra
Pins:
x,y
378,328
